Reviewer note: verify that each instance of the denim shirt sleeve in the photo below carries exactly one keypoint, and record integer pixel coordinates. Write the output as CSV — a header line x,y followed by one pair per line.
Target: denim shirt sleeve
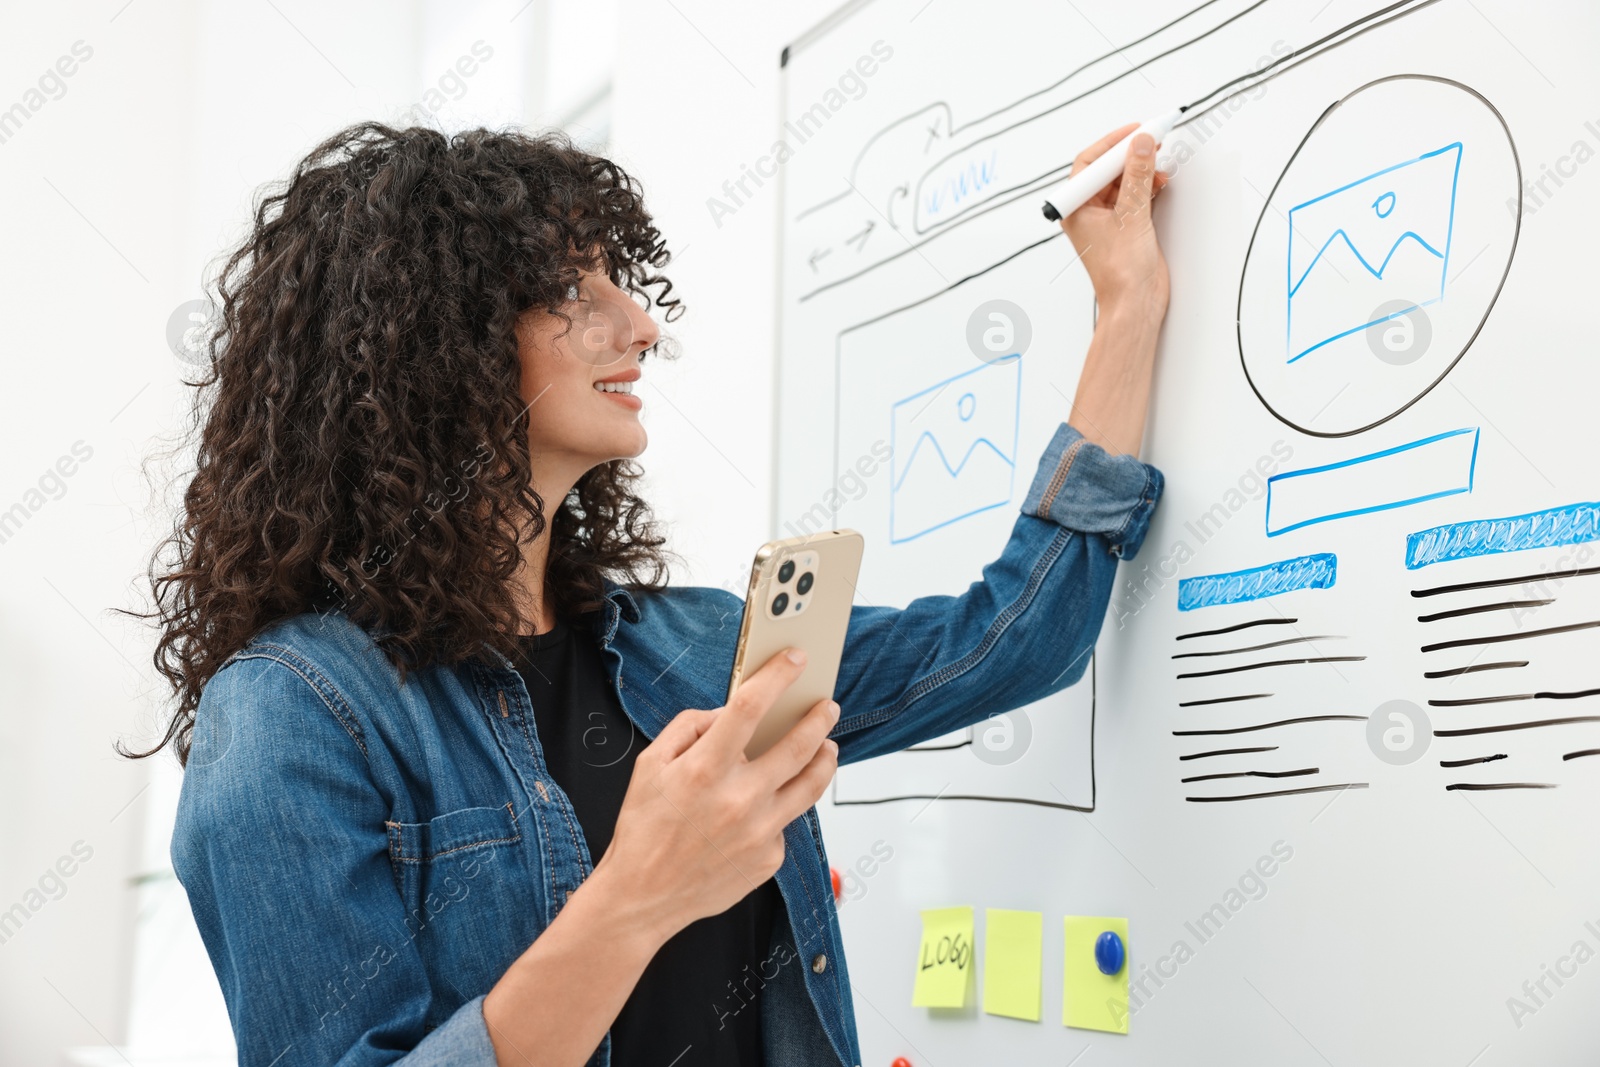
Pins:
x,y
1022,632
280,843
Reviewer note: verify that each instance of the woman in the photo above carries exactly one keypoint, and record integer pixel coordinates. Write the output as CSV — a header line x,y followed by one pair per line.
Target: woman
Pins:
x,y
452,791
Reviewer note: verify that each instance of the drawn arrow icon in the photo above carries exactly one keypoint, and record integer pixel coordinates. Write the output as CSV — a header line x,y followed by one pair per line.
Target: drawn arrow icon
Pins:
x,y
863,235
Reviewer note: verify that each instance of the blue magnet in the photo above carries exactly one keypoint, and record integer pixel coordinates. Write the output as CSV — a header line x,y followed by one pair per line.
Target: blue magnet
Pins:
x,y
1108,952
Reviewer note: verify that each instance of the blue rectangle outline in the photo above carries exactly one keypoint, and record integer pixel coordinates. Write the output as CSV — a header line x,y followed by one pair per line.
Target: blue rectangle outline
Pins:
x,y
1379,173
1444,265
1367,325
1472,467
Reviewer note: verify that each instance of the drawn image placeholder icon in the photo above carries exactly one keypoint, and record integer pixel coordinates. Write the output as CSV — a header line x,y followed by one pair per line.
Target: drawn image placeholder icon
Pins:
x,y
1379,253
954,448
1379,242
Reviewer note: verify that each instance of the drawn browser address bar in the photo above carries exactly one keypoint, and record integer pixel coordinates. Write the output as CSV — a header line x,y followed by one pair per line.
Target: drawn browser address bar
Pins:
x,y
1028,154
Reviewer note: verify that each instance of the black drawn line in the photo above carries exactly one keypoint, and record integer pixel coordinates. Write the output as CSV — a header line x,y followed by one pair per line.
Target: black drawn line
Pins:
x,y
1501,606
958,282
1278,793
1001,200
1258,648
1065,167
1265,72
962,796
1101,59
1259,75
1241,626
1251,774
1280,722
1464,701
1503,727
1094,784
1273,663
1228,752
940,748
1469,762
1520,579
1193,115
1495,639
1480,786
1474,668
1581,753
916,246
1221,700
954,129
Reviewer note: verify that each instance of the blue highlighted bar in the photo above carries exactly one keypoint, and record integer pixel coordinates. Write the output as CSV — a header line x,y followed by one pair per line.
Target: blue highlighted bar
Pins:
x,y
1570,525
1257,583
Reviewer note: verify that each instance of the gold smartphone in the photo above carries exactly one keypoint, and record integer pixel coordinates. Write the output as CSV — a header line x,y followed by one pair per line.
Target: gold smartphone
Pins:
x,y
800,594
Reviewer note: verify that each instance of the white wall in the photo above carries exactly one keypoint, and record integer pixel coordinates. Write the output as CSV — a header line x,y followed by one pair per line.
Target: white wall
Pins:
x,y
121,194
94,210
696,103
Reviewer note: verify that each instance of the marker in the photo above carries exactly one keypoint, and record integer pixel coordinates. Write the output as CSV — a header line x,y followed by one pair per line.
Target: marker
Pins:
x,y
1083,184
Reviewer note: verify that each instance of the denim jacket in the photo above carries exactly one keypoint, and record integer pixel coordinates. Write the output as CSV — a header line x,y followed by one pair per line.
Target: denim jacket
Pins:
x,y
365,857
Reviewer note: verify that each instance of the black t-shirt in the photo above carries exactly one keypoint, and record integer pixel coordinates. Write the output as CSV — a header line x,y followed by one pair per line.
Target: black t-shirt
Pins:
x,y
695,1005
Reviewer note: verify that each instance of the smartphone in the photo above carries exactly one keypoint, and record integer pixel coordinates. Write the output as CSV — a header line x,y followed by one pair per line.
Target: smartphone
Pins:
x,y
800,594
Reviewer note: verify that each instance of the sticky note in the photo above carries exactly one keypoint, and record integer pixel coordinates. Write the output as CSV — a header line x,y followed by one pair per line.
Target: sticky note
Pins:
x,y
1013,950
944,962
1091,1000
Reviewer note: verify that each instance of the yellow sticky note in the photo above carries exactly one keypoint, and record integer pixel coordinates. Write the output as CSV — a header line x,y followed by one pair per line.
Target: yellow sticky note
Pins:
x,y
1091,1000
944,962
1013,950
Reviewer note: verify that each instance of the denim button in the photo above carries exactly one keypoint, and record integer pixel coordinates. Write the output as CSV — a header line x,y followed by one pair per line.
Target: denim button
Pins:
x,y
819,963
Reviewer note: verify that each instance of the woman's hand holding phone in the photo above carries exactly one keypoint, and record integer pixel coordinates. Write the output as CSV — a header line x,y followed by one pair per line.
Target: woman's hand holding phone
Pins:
x,y
701,825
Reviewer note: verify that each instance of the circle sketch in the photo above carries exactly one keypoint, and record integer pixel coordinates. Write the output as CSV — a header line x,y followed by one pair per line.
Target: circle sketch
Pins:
x,y
1401,204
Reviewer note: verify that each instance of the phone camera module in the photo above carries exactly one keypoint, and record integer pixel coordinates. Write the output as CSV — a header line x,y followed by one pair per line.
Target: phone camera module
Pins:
x,y
803,586
786,571
780,602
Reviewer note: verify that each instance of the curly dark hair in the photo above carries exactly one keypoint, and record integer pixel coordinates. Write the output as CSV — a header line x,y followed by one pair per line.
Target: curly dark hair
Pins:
x,y
362,445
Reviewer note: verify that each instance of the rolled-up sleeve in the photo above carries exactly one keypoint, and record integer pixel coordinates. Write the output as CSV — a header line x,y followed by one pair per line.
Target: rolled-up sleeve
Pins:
x,y
280,843
1081,486
1024,630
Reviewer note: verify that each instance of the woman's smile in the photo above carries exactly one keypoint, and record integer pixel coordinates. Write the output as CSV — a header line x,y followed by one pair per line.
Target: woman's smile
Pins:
x,y
619,388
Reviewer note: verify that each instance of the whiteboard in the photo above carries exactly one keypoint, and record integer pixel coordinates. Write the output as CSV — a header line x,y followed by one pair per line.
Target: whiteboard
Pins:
x,y
1376,551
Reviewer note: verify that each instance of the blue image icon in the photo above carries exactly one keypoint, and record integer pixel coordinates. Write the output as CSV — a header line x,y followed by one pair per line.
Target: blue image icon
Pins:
x,y
1380,240
954,448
